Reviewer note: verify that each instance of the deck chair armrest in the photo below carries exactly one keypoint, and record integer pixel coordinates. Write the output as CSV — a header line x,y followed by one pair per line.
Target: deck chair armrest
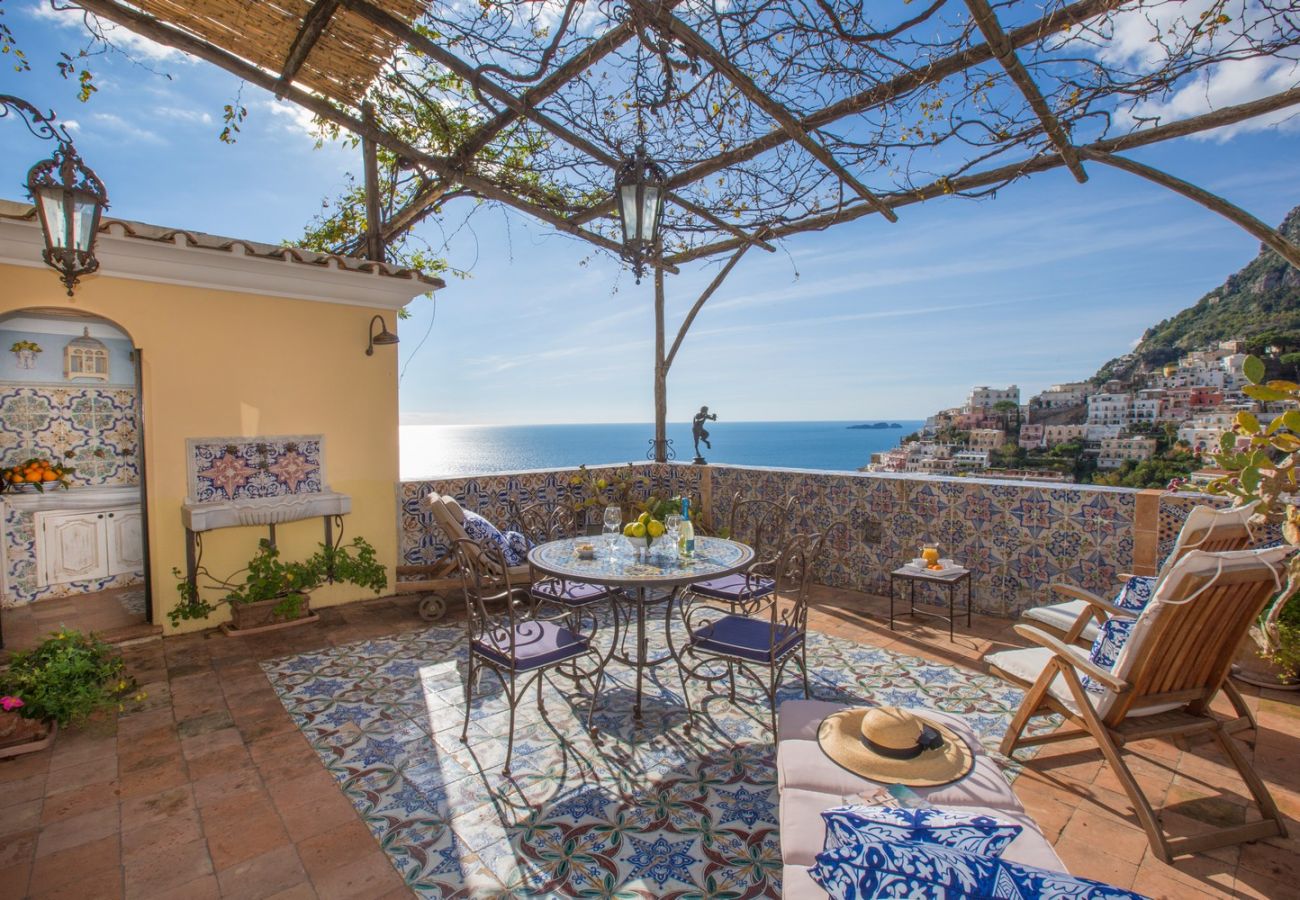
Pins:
x,y
1075,659
1097,603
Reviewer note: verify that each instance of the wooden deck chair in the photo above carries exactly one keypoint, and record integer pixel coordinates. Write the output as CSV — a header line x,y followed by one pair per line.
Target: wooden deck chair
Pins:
x,y
444,576
1209,529
1175,660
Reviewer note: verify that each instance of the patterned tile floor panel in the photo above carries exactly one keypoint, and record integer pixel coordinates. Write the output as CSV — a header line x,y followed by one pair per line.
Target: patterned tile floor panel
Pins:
x,y
642,811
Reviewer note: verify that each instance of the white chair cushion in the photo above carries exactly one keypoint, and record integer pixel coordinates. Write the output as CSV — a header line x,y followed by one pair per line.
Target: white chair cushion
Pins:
x,y
1062,616
1024,666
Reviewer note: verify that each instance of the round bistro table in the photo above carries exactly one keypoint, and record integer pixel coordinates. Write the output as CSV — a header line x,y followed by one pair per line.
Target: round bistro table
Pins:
x,y
642,583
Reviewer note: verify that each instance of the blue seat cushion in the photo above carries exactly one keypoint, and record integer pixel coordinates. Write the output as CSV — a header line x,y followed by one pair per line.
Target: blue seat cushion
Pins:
x,y
961,830
858,870
537,644
746,638
735,587
570,593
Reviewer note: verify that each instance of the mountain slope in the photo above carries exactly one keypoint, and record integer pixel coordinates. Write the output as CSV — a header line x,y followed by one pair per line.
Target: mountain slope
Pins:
x,y
1260,303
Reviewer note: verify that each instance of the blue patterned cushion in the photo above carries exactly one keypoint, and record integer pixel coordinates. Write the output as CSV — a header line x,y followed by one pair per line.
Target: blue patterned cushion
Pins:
x,y
858,871
517,547
972,833
1136,593
1111,638
485,534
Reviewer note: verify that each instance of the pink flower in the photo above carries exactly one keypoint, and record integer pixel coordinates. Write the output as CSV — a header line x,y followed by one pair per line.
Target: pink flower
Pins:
x,y
9,704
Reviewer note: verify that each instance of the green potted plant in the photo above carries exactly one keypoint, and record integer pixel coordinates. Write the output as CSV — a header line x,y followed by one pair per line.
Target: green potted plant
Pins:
x,y
275,593
62,682
1260,464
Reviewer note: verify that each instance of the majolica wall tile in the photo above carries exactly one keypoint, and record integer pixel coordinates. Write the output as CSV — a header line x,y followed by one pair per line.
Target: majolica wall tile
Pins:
x,y
1016,537
222,469
92,429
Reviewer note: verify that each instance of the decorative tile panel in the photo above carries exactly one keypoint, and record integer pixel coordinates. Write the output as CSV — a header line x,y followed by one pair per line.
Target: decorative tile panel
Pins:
x,y
90,428
260,468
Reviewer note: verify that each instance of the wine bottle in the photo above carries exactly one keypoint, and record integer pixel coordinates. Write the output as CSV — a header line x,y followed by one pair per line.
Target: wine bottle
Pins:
x,y
686,543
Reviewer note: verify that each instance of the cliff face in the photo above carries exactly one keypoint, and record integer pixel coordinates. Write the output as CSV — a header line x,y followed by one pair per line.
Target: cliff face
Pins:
x,y
1260,303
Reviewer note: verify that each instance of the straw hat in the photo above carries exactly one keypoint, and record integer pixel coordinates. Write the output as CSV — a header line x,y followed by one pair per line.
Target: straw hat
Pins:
x,y
893,746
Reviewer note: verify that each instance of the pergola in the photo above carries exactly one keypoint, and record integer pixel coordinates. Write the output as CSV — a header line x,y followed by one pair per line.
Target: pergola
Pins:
x,y
770,117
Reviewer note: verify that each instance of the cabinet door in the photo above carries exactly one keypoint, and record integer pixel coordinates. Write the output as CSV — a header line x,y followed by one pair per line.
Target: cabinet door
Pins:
x,y
125,542
74,545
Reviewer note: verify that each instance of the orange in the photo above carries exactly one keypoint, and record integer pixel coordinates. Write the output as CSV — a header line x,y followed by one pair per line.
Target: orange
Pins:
x,y
50,476
19,479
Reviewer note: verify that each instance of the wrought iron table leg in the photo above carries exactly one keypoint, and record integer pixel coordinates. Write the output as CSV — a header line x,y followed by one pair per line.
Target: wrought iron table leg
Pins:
x,y
952,611
968,600
642,646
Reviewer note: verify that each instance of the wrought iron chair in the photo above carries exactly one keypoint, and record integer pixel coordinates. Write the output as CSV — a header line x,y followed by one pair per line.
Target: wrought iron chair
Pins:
x,y
770,635
763,524
512,641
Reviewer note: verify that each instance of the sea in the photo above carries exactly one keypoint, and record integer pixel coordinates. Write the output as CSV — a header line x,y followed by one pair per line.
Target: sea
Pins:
x,y
448,451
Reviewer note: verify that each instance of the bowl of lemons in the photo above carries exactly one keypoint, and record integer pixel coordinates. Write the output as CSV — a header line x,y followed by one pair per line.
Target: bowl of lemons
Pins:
x,y
642,531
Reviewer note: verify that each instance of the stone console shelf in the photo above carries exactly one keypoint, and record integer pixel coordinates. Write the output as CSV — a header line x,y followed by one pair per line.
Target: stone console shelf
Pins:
x,y
285,476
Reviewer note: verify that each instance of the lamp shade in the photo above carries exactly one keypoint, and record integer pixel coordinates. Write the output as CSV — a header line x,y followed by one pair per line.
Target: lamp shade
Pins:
x,y
69,199
639,185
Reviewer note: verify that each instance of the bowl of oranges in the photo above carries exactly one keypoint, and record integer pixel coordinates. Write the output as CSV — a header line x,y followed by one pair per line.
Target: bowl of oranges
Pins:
x,y
36,473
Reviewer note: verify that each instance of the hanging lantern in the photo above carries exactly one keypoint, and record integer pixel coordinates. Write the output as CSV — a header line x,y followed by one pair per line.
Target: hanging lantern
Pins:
x,y
69,200
639,188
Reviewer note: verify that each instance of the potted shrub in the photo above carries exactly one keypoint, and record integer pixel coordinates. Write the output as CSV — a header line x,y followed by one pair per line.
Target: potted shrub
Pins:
x,y
1260,460
275,593
62,682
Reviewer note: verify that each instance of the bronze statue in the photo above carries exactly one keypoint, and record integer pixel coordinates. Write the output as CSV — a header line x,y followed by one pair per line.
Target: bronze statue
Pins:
x,y
699,433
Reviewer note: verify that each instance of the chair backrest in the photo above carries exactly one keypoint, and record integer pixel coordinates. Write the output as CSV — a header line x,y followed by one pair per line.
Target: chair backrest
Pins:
x,y
541,523
1213,531
760,523
793,573
1182,645
449,516
485,581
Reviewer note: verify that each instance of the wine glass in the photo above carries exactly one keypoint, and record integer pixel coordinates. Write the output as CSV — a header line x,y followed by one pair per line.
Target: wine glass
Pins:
x,y
613,527
672,533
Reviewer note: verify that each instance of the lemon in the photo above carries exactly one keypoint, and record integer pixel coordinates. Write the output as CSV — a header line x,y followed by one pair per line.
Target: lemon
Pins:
x,y
656,528
644,518
638,530
628,529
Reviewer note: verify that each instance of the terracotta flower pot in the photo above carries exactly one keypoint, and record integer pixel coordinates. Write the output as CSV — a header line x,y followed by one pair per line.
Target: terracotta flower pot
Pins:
x,y
19,735
1258,670
252,618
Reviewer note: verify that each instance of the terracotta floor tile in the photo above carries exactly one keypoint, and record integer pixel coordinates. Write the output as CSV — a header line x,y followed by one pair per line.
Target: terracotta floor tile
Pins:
x,y
152,779
18,848
13,881
230,759
1090,861
77,831
263,875
154,808
82,800
21,817
303,890
241,828
202,888
21,790
148,874
334,847
368,876
181,827
217,788
102,856
94,887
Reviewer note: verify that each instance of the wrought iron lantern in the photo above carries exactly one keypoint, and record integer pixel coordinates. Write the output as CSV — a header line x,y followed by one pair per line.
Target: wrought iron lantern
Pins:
x,y
69,199
639,188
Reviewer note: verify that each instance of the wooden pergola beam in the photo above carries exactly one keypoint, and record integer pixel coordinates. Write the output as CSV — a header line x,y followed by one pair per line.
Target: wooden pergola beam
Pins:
x,y
991,28
313,26
880,94
1228,115
1273,238
391,24
696,43
146,25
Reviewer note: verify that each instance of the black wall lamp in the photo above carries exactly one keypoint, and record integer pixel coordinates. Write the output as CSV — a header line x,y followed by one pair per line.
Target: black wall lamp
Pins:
x,y
383,339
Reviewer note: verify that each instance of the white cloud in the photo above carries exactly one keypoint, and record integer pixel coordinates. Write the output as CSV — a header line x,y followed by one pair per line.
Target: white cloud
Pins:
x,y
1139,40
192,116
118,125
134,45
290,116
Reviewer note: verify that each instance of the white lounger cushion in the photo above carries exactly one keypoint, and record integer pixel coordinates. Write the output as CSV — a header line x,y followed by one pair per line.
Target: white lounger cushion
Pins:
x,y
1062,616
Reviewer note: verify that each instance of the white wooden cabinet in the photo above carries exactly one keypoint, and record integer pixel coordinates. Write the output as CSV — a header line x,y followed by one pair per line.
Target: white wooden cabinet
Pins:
x,y
84,545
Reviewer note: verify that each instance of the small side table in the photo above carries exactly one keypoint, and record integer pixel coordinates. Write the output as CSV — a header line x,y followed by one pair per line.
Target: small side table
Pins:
x,y
911,576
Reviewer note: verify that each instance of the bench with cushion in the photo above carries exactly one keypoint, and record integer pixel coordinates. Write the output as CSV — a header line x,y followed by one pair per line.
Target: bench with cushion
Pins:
x,y
809,782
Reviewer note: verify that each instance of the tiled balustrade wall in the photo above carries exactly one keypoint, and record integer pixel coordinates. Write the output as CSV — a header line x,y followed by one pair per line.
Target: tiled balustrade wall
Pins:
x,y
1016,537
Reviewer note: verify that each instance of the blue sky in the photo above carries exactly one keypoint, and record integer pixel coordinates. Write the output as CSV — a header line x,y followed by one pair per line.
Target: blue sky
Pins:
x,y
867,320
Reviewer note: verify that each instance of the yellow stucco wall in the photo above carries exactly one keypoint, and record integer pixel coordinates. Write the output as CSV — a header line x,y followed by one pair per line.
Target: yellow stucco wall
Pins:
x,y
221,363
